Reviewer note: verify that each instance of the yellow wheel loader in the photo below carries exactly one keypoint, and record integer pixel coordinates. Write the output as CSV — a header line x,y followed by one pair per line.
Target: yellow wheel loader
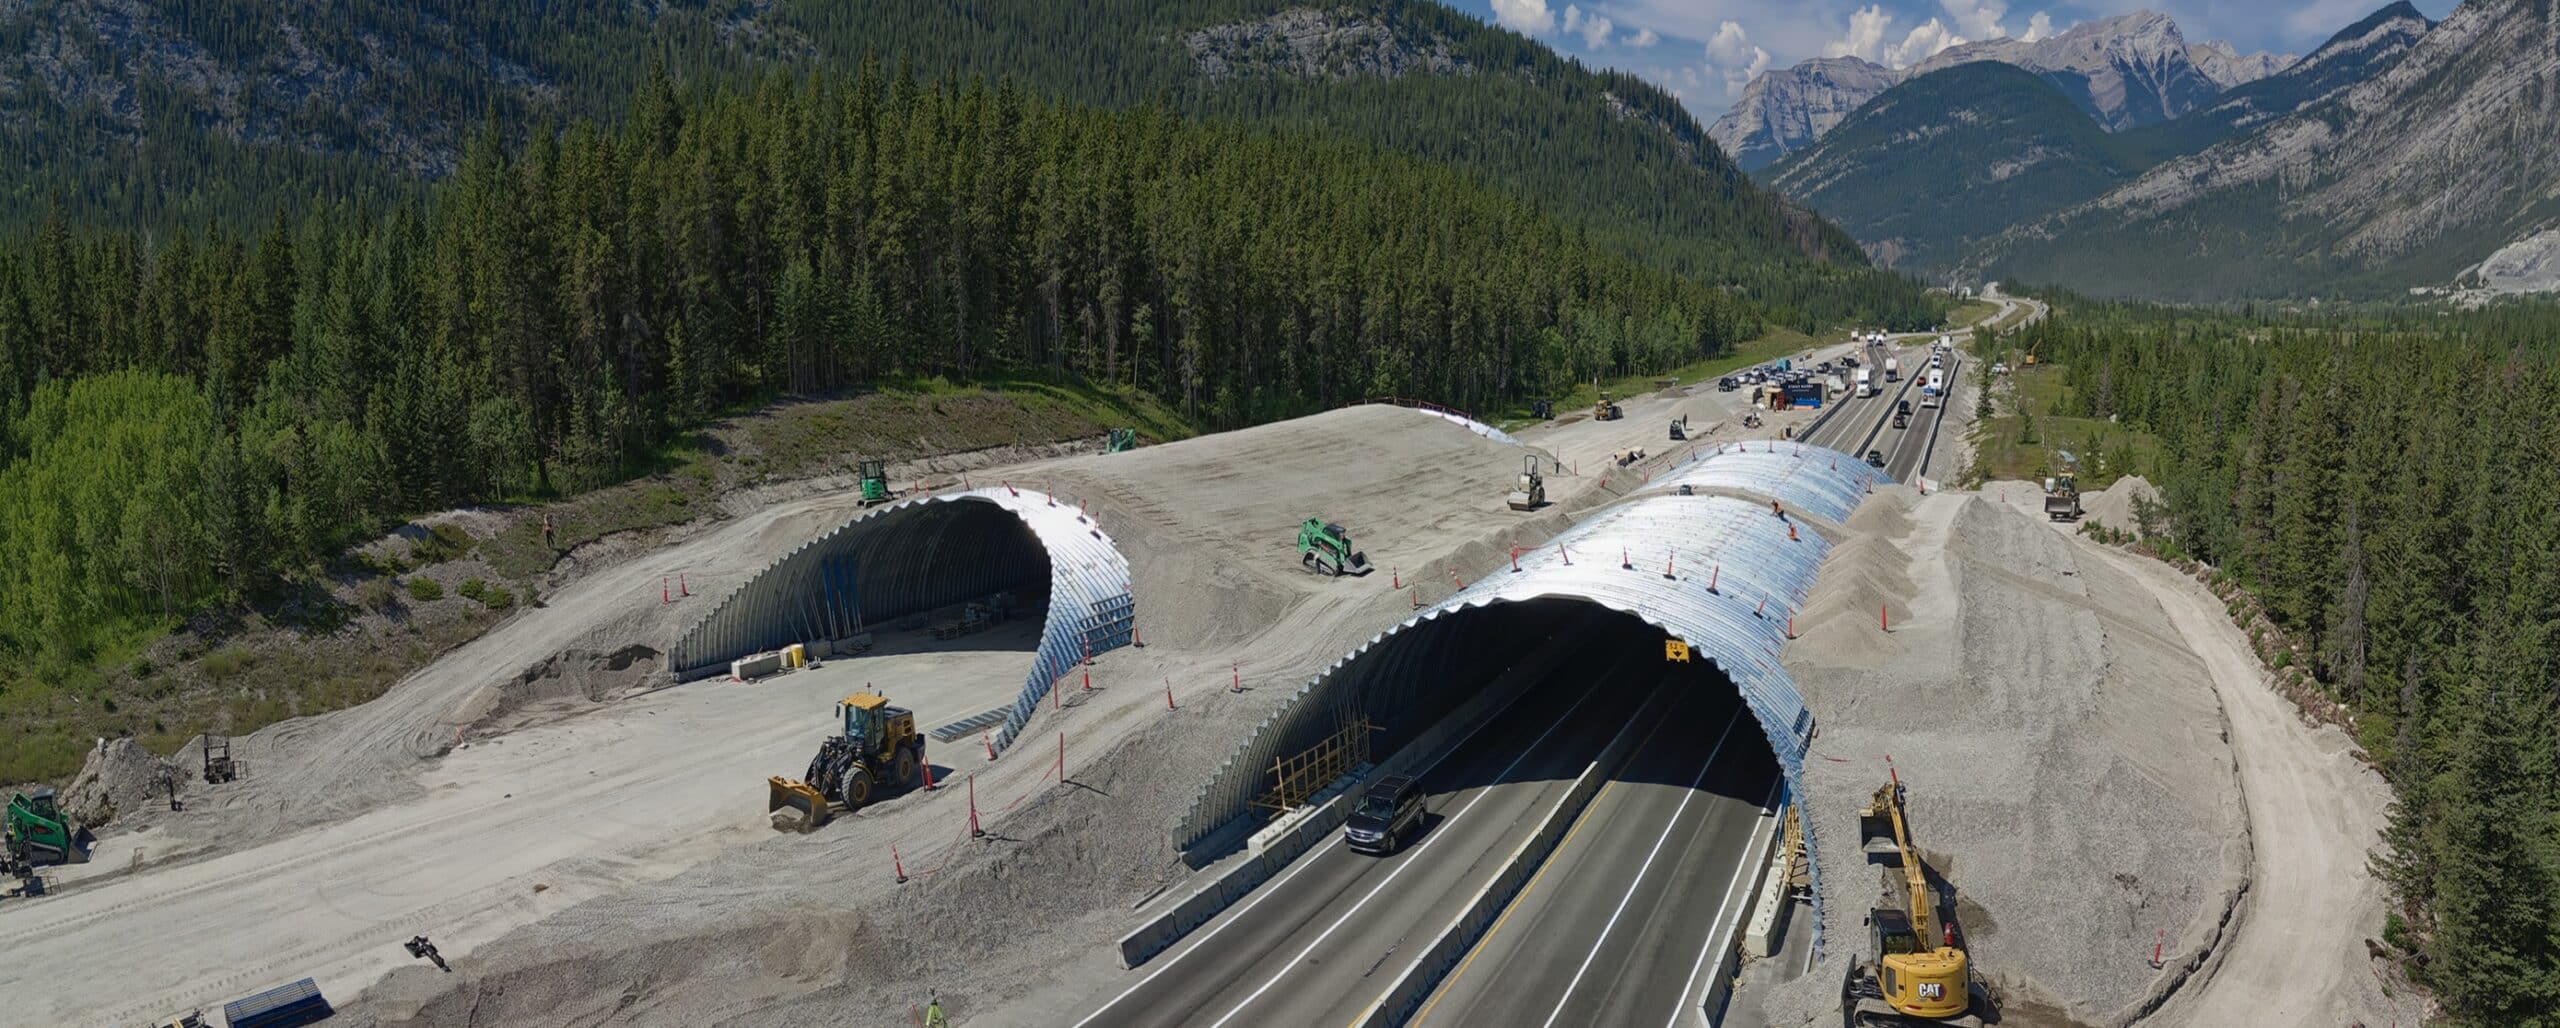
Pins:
x,y
1916,974
878,753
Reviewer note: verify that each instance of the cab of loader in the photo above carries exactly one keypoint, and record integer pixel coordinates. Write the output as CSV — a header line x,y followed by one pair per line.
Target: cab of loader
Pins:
x,y
873,726
1121,440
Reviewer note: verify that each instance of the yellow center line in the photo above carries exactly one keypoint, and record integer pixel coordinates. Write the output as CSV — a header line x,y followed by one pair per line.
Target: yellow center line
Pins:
x,y
1526,891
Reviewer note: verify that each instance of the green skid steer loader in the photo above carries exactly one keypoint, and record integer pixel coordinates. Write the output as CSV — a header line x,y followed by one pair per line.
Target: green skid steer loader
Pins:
x,y
39,835
1325,549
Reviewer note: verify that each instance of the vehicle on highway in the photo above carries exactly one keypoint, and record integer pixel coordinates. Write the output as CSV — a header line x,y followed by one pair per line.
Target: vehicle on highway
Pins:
x,y
1902,406
1866,384
1389,815
1929,402
1902,419
1727,384
1875,458
1893,369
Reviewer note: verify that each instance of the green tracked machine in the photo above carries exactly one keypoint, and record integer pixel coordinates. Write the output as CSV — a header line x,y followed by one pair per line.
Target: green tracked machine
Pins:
x,y
1121,440
875,483
1325,549
39,834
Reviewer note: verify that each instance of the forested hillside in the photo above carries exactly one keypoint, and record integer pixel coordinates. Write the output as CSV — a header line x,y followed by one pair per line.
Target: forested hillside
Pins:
x,y
191,415
2391,491
146,115
1951,157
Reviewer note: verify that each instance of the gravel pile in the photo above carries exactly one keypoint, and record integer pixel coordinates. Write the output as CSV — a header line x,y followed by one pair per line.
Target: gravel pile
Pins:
x,y
2113,505
120,778
2064,753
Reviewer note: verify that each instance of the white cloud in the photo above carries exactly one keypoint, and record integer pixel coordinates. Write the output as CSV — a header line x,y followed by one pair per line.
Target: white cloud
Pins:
x,y
1642,38
1572,18
1870,27
1730,53
2038,27
1530,16
1926,39
1595,30
1865,40
1979,19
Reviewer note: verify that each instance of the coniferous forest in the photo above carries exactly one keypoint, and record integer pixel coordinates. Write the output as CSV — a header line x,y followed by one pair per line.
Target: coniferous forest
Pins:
x,y
191,411
2390,490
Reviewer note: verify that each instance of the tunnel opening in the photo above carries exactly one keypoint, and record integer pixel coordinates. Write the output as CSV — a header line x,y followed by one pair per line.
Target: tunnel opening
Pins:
x,y
1536,688
965,570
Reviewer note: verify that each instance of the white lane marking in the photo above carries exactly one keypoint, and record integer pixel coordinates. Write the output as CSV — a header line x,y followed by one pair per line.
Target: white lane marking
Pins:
x,y
1266,889
1740,874
1437,834
1674,822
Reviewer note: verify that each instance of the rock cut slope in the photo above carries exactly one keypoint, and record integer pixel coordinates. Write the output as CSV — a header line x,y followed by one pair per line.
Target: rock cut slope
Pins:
x,y
2403,179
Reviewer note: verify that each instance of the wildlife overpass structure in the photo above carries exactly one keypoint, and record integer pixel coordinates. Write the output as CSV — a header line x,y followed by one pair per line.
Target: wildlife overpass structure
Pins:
x,y
924,554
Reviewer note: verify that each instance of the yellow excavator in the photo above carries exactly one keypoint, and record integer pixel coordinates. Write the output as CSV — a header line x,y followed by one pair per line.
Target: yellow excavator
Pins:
x,y
1917,975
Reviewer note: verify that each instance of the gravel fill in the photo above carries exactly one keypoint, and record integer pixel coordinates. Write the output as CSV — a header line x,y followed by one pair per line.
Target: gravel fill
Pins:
x,y
2064,752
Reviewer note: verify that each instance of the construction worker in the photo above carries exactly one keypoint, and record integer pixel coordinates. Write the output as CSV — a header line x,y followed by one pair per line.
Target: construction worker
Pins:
x,y
933,1015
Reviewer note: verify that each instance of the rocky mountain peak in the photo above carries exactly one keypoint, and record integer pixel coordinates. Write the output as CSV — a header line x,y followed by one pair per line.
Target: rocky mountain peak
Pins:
x,y
2129,70
1790,108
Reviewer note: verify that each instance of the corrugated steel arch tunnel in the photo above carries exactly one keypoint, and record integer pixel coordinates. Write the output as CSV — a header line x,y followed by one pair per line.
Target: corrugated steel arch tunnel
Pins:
x,y
1718,572
922,554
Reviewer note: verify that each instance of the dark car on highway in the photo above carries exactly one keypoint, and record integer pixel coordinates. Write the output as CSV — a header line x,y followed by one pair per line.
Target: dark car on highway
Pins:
x,y
1875,458
1388,815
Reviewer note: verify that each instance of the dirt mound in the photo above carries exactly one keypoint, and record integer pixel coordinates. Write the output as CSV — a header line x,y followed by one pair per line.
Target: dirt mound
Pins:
x,y
119,776
2064,749
572,674
2113,505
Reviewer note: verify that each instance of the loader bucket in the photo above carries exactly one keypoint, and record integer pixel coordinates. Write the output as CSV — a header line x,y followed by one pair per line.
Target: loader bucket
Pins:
x,y
807,809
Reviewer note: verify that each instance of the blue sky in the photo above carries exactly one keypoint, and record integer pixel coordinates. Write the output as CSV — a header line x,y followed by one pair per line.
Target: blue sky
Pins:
x,y
1705,50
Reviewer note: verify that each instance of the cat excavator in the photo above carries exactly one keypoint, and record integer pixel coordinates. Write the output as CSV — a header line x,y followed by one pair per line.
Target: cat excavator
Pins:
x,y
1917,975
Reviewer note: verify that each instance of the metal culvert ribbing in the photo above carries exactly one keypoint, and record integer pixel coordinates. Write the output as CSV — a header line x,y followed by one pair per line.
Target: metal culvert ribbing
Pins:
x,y
1717,572
922,554
1818,480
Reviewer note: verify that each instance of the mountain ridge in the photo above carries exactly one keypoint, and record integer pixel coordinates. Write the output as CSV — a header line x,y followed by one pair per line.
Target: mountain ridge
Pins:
x,y
2127,71
2402,180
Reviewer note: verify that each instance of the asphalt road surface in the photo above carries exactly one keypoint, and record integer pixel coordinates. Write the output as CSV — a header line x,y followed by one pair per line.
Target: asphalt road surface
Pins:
x,y
1620,925
1321,941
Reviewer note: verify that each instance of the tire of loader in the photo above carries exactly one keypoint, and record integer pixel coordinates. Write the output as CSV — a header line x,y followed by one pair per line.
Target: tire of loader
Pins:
x,y
856,788
904,769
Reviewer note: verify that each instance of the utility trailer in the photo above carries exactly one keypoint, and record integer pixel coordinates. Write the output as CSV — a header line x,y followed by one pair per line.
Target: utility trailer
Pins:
x,y
292,1004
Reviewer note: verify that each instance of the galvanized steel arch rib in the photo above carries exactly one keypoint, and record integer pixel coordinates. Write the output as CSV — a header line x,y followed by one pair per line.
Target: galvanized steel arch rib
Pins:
x,y
1818,480
875,567
1718,573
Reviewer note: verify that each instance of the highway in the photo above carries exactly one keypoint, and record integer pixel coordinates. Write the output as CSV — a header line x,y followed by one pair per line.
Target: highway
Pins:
x,y
1622,925
1864,424
1324,939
